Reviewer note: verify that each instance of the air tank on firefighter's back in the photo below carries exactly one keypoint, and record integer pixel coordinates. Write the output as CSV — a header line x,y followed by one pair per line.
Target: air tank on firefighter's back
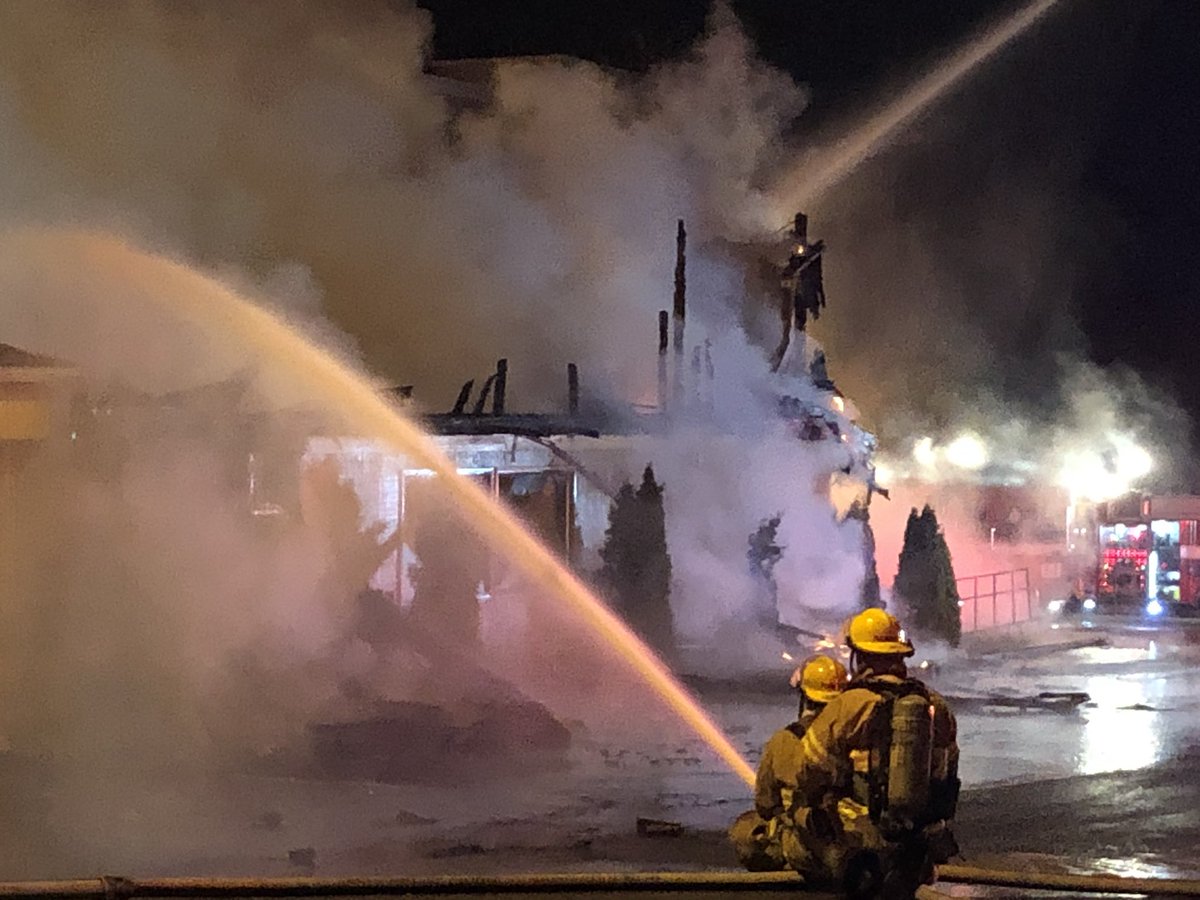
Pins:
x,y
910,759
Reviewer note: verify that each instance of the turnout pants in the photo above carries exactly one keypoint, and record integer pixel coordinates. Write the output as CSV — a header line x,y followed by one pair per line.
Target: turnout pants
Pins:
x,y
815,843
757,842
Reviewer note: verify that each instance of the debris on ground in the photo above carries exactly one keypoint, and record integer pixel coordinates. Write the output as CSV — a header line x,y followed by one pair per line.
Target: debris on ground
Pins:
x,y
658,828
1049,701
271,820
404,817
303,857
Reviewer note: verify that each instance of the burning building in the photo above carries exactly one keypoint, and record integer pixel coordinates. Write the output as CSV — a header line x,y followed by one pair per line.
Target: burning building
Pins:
x,y
561,471
737,439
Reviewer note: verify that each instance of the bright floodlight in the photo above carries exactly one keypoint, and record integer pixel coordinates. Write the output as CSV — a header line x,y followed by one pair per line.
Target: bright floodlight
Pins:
x,y
1133,461
967,451
1055,606
924,453
1094,475
1154,608
1089,604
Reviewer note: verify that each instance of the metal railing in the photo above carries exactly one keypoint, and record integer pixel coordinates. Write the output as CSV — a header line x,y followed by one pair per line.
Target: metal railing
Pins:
x,y
998,598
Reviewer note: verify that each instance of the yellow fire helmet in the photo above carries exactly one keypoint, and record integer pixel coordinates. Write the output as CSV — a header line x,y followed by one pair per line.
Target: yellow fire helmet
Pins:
x,y
876,631
820,678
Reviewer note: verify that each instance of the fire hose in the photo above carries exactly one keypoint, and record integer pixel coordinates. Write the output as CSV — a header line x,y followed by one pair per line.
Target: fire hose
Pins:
x,y
114,888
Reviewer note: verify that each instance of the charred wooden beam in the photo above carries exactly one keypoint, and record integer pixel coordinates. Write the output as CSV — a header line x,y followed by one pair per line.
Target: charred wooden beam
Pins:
x,y
521,424
501,389
663,320
680,280
481,403
680,302
572,389
464,394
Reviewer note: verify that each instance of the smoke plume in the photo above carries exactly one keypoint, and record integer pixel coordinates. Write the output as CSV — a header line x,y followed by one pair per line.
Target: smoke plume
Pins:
x,y
303,156
440,237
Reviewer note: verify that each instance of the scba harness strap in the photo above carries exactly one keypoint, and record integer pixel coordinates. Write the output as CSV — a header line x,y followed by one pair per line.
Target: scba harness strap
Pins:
x,y
943,790
875,789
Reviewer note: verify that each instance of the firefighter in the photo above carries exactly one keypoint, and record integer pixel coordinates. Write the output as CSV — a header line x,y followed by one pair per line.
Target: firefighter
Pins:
x,y
755,834
877,780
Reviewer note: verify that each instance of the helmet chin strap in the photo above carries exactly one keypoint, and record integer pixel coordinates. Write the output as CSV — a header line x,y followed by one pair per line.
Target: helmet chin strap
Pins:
x,y
856,661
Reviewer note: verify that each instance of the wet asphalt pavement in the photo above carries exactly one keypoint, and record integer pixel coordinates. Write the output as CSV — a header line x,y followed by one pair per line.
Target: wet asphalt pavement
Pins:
x,y
1144,707
1109,787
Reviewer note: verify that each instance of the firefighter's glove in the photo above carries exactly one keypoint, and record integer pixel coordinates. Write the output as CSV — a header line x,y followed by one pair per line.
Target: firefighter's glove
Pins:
x,y
820,823
942,845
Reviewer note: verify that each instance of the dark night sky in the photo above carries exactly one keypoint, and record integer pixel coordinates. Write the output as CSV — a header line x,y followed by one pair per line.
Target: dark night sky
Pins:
x,y
1118,83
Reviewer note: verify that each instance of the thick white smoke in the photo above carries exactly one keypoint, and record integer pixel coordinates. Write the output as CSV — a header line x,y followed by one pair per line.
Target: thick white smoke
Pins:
x,y
441,239
538,225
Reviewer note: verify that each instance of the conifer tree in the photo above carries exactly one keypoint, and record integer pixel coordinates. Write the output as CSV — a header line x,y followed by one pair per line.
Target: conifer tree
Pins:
x,y
636,575
925,581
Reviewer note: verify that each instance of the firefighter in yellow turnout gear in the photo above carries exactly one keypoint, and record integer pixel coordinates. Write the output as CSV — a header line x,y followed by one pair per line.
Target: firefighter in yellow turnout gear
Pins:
x,y
756,834
877,780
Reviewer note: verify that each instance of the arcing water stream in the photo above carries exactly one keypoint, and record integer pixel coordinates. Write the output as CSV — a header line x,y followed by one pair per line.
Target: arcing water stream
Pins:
x,y
803,186
224,316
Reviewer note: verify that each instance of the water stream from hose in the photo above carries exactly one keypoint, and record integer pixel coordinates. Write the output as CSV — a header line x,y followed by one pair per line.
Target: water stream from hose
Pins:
x,y
803,187
224,316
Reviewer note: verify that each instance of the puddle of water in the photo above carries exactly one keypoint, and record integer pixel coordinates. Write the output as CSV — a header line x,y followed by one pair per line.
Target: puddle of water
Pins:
x,y
1115,738
1147,866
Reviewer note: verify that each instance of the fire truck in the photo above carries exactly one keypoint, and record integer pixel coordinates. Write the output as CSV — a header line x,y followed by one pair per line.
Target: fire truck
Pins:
x,y
1148,554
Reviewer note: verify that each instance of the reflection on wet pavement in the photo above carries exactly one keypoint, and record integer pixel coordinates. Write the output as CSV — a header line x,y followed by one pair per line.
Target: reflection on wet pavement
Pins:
x,y
1117,735
1000,893
1133,867
1143,708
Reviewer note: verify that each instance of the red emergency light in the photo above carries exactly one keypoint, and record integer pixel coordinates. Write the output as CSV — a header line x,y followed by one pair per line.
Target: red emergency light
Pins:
x,y
1112,554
